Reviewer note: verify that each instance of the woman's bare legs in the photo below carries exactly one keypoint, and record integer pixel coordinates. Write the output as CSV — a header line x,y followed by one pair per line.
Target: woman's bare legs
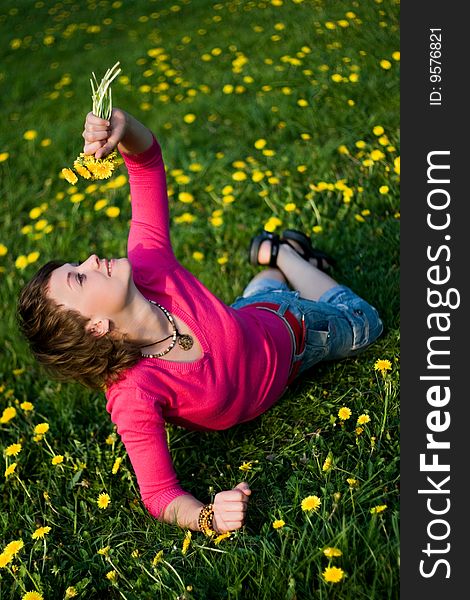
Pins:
x,y
301,275
270,273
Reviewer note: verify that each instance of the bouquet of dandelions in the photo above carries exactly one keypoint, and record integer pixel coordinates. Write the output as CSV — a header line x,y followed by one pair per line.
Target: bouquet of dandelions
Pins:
x,y
86,165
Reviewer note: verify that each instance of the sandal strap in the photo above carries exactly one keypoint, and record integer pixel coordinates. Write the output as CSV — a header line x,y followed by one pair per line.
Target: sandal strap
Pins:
x,y
275,243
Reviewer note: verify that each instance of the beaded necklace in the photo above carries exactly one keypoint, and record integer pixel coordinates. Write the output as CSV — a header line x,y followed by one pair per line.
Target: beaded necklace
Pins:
x,y
185,341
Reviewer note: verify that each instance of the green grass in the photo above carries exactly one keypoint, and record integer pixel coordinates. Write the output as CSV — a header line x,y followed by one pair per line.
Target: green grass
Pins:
x,y
289,444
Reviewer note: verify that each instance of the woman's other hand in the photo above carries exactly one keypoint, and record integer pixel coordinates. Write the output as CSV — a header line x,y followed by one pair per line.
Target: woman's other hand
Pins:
x,y
230,508
102,136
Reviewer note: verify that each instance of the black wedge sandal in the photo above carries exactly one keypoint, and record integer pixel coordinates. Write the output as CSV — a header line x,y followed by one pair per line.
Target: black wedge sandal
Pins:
x,y
255,245
324,261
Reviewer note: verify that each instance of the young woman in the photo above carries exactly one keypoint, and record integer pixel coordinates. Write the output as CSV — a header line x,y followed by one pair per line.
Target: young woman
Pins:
x,y
165,349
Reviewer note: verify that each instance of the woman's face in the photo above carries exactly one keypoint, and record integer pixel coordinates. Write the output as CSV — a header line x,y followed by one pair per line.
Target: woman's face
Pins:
x,y
97,289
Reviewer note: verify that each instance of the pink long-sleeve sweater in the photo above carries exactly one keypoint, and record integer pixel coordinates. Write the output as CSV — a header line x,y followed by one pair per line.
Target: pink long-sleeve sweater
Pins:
x,y
247,352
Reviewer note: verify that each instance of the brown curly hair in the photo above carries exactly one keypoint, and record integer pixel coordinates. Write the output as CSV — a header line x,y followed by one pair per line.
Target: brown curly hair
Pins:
x,y
60,342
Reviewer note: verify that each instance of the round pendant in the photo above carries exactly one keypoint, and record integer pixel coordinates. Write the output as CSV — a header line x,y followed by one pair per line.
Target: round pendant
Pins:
x,y
185,341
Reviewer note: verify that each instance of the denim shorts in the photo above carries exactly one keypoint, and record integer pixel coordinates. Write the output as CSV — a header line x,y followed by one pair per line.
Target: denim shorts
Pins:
x,y
339,324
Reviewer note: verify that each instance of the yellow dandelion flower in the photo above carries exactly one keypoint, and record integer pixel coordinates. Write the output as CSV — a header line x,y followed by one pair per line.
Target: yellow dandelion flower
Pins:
x,y
112,576
182,179
290,207
216,221
247,465
396,55
222,536
317,229
359,430
40,532
4,156
260,144
227,89
337,78
33,257
257,176
333,574
343,149
239,176
111,439
41,428
8,414
363,419
32,596
272,224
13,450
5,559
189,118
71,592
185,197
228,199
383,365
344,413
100,204
157,558
278,523
354,77
332,552
21,262
135,553
378,130
376,155
27,406
186,542
13,547
117,464
103,500
69,176
104,551
102,168
82,171
302,103
112,212
3,250
222,260
385,64
328,463
352,482
359,218
396,165
199,256
57,460
311,503
378,509
30,135
383,189
185,218
116,183
35,212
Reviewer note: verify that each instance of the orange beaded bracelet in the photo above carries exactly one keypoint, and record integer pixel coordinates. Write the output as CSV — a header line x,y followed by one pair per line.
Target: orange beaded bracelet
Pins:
x,y
205,519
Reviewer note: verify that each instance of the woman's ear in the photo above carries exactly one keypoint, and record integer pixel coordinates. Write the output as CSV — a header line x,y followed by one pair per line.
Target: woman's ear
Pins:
x,y
98,328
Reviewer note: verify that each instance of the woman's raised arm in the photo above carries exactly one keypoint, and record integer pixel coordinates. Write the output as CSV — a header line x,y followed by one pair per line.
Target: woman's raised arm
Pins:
x,y
122,130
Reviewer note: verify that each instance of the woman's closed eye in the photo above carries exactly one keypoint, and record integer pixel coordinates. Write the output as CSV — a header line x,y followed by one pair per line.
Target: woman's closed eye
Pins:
x,y
80,278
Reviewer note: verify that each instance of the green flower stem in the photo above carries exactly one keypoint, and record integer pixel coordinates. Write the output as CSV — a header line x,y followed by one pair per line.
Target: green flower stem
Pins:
x,y
23,486
101,92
